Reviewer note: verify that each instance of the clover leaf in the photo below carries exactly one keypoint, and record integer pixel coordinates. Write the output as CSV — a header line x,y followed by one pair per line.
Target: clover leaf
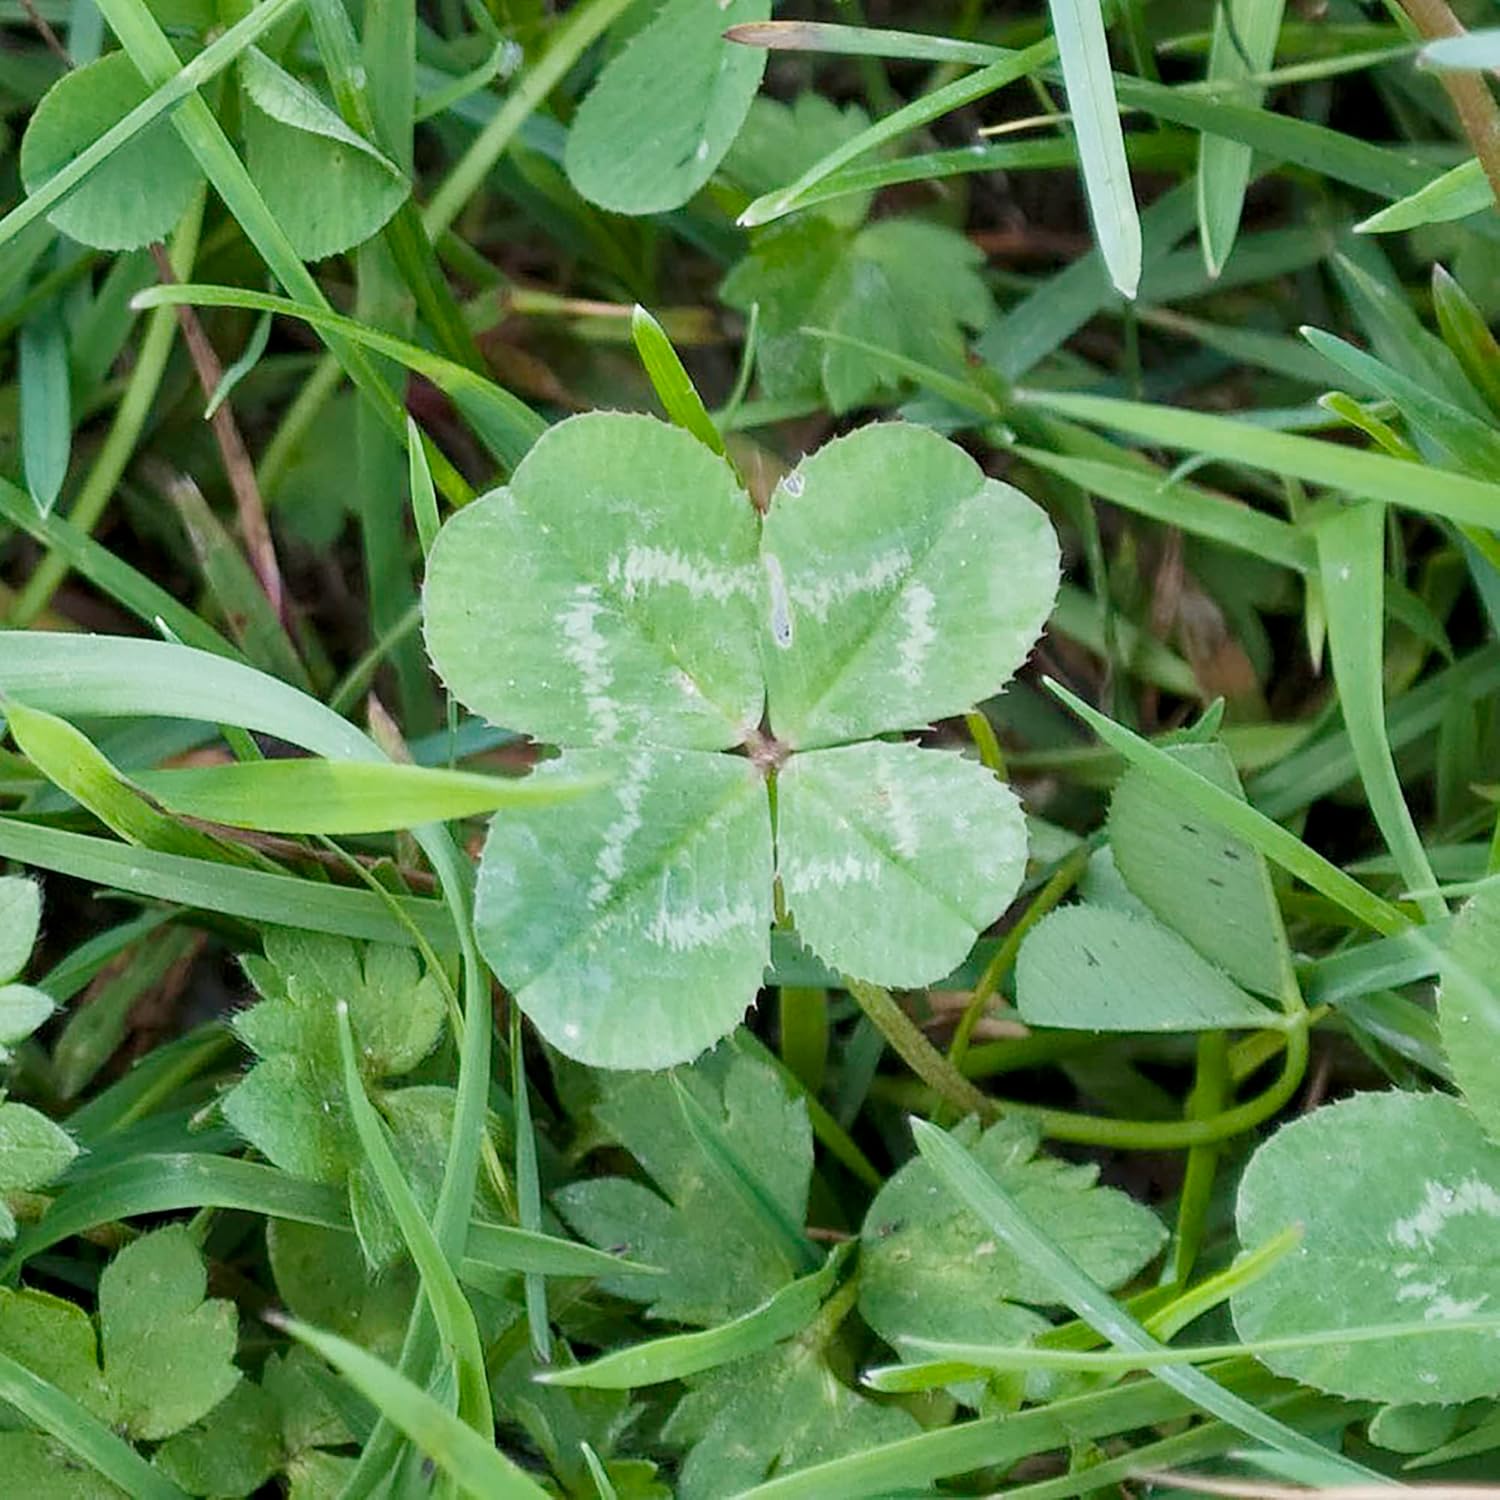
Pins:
x,y
621,598
291,1106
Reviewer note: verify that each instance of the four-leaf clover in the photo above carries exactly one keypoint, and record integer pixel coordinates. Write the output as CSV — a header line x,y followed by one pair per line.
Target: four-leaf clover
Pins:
x,y
622,598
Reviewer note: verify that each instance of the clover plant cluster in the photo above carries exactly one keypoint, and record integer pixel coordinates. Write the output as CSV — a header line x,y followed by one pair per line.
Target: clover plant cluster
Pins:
x,y
743,680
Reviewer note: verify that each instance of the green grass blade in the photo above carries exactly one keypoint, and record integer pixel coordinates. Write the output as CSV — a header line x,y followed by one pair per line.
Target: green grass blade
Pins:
x,y
861,41
55,1412
1372,476
1351,559
46,405
673,385
341,797
982,1195
727,1164
1284,848
1244,43
1083,50
166,1184
1468,336
684,1354
505,424
71,762
901,122
1174,502
251,895
503,1247
450,1308
472,1461
1457,193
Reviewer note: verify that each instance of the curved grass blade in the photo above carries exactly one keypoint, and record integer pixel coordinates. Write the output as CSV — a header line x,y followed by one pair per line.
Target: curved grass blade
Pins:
x,y
1244,44
1457,193
165,1184
1351,558
470,1460
251,895
343,797
504,423
684,1354
673,385
910,117
503,1247
1083,50
1372,476
1284,848
41,1403
450,1308
979,1191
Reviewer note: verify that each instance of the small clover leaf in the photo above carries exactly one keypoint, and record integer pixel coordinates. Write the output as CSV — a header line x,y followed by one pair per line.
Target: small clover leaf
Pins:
x,y
648,619
168,1352
291,1105
930,1269
694,1224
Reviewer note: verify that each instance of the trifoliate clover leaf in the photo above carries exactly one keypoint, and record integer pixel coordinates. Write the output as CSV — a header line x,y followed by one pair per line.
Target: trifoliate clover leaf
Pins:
x,y
930,1269
167,1352
291,1106
692,1224
779,142
903,285
1410,1242
648,620
638,147
773,1413
234,1450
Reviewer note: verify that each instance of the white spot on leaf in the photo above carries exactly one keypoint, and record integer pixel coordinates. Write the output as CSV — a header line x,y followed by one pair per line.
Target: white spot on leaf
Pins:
x,y
849,870
917,608
610,864
659,567
883,570
699,926
1440,1203
588,652
781,609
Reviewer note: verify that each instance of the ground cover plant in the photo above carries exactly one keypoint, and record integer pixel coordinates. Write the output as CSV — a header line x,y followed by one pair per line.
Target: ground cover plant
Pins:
x,y
749,754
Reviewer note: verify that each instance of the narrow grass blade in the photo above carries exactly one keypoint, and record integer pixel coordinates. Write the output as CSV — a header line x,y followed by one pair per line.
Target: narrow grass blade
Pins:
x,y
1467,334
860,41
506,1248
450,1308
730,1168
673,385
470,1460
1001,1442
252,895
505,424
341,797
1083,49
1471,443
983,1196
1244,44
167,1184
1174,502
684,1354
1457,193
43,1405
1284,848
46,405
1476,51
528,1187
1351,558
1372,476
71,761
910,117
